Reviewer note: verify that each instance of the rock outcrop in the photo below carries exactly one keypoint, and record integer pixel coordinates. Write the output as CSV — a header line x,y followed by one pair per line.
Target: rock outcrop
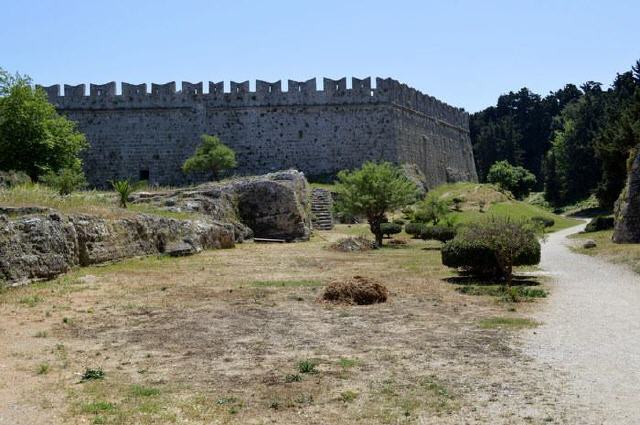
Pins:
x,y
40,243
44,246
627,208
276,205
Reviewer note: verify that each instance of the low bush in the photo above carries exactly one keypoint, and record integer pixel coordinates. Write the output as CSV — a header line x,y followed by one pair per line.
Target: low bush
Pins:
x,y
399,221
543,221
65,181
438,233
492,248
13,178
599,223
414,229
389,229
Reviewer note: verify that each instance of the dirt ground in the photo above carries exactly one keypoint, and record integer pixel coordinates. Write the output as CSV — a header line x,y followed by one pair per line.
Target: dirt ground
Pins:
x,y
237,337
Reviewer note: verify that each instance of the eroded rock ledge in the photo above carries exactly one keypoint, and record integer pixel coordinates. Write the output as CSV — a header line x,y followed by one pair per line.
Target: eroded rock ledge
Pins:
x,y
39,243
275,205
44,246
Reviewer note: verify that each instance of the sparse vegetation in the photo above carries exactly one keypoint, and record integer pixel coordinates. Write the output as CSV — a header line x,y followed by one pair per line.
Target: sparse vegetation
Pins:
x,y
507,323
218,307
293,378
102,204
307,366
92,375
348,396
43,368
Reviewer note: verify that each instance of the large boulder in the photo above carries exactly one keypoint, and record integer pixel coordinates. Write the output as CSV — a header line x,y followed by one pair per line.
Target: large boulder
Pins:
x,y
627,208
275,205
44,246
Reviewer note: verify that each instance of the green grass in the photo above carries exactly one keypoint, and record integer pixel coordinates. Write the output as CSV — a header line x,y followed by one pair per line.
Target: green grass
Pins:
x,y
627,254
516,210
348,363
513,294
142,391
348,396
496,203
31,300
95,202
307,366
96,407
507,323
286,283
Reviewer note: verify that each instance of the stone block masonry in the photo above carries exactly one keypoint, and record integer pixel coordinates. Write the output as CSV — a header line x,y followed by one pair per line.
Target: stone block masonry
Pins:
x,y
147,135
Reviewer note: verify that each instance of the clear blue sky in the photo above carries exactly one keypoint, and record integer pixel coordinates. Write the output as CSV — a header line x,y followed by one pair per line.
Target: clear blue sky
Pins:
x,y
463,52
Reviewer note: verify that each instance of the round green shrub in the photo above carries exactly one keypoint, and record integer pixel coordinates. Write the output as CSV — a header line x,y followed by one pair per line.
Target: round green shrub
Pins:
x,y
438,233
399,221
544,221
414,229
599,223
389,229
488,248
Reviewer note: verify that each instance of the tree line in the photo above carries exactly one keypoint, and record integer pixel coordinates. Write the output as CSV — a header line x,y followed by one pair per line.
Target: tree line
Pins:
x,y
576,141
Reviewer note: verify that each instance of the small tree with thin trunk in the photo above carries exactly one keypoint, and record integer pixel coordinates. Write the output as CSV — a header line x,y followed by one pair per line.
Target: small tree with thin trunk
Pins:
x,y
212,155
374,190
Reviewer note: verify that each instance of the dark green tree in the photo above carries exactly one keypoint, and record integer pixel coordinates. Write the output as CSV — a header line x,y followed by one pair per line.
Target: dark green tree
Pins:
x,y
516,180
33,137
212,155
619,136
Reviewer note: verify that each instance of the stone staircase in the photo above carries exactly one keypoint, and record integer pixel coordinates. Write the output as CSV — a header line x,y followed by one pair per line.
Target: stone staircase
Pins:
x,y
321,205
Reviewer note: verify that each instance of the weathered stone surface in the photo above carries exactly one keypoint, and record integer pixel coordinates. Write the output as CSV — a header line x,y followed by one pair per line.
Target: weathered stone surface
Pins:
x,y
141,135
44,246
275,205
101,240
416,176
36,247
627,208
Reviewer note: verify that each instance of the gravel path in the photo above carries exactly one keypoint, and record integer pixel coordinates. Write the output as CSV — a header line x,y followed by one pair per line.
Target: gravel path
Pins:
x,y
591,331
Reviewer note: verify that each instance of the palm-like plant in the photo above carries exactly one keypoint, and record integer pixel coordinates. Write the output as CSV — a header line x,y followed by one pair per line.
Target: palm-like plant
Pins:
x,y
124,188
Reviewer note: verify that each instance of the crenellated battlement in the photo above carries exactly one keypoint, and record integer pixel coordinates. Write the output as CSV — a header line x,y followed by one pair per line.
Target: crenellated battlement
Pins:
x,y
146,131
239,94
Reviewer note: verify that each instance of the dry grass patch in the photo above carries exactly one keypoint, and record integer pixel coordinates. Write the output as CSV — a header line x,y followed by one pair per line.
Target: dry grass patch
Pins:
x,y
219,338
605,248
357,290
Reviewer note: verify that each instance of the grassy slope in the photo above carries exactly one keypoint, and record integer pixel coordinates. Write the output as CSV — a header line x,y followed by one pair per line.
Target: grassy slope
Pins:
x,y
103,204
496,203
628,254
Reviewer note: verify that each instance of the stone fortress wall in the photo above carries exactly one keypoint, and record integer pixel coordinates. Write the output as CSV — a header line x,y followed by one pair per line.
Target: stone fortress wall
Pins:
x,y
143,135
